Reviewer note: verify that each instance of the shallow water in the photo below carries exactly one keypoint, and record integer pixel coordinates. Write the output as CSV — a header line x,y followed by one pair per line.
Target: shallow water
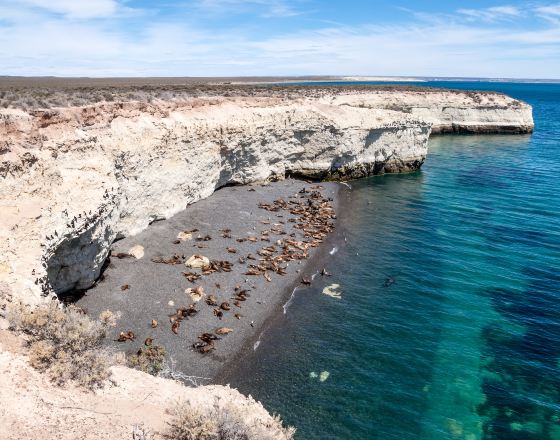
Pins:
x,y
449,322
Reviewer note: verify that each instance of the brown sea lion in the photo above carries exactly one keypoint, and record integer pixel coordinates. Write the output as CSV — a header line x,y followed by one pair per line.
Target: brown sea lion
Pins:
x,y
225,306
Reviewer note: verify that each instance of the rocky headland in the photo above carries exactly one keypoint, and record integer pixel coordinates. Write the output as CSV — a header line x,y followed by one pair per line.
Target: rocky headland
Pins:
x,y
85,172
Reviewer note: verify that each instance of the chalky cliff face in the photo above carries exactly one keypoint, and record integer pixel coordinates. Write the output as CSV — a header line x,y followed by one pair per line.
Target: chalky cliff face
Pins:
x,y
75,179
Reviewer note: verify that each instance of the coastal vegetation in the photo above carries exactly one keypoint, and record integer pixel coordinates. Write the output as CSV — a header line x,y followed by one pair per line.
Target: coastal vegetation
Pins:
x,y
67,345
223,423
41,94
64,342
150,359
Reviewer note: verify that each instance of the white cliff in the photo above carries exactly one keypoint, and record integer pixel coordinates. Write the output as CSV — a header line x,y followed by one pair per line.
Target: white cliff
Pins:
x,y
75,179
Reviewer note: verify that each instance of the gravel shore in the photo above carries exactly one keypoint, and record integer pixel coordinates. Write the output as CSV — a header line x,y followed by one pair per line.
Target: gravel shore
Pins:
x,y
147,289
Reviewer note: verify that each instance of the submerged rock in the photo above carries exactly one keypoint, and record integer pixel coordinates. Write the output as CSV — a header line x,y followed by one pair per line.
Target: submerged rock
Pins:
x,y
332,291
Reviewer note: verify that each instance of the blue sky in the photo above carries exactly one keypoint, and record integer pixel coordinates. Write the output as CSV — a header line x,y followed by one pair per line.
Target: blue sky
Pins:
x,y
279,37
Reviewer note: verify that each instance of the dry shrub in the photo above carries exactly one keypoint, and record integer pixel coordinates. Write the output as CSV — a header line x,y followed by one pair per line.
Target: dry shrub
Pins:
x,y
223,423
150,360
64,342
140,432
191,424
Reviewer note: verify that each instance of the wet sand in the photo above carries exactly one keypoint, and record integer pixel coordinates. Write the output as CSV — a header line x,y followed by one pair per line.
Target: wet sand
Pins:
x,y
157,290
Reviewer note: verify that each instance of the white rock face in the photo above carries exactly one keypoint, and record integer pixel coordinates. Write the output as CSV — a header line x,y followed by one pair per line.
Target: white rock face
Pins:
x,y
74,179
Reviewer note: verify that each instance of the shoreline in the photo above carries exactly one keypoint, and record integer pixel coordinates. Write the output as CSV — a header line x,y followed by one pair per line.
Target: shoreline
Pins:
x,y
153,287
314,264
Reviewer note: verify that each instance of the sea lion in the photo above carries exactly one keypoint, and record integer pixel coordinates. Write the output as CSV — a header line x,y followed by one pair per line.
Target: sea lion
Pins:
x,y
128,336
389,281
173,260
148,342
225,306
121,255
208,337
195,293
306,281
125,287
191,276
223,331
207,348
175,327
211,300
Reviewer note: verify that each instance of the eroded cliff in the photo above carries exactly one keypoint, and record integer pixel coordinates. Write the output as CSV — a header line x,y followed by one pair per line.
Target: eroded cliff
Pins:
x,y
75,179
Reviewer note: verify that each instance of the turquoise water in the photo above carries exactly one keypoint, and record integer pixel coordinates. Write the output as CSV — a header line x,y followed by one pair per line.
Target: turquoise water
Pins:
x,y
449,322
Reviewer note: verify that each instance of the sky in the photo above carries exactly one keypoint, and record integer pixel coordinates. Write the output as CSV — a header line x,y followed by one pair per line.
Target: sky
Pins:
x,y
280,37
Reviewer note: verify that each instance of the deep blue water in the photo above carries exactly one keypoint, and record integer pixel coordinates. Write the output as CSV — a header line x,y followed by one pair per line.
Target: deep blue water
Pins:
x,y
465,343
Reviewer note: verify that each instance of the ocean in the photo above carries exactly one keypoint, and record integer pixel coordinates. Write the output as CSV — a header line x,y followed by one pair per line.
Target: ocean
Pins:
x,y
448,320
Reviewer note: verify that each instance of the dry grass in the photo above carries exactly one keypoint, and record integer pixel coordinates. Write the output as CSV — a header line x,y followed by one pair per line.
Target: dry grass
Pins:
x,y
150,360
223,423
46,93
64,342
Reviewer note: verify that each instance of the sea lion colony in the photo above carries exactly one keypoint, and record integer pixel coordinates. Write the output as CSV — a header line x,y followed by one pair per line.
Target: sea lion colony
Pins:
x,y
308,211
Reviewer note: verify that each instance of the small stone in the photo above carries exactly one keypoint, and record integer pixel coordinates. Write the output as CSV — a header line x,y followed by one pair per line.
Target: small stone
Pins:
x,y
137,251
184,236
197,261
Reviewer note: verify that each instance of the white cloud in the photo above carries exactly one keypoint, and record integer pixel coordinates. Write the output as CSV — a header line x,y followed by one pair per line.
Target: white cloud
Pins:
x,y
550,13
492,14
80,9
40,43
550,10
267,8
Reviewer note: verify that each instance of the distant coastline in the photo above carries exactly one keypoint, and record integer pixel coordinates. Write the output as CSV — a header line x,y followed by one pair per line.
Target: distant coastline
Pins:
x,y
10,82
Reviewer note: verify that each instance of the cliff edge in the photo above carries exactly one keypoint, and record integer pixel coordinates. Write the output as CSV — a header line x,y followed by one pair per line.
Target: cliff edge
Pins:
x,y
74,179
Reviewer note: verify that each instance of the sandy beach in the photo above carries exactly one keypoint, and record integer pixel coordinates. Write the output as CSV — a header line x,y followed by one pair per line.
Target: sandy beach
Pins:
x,y
142,290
